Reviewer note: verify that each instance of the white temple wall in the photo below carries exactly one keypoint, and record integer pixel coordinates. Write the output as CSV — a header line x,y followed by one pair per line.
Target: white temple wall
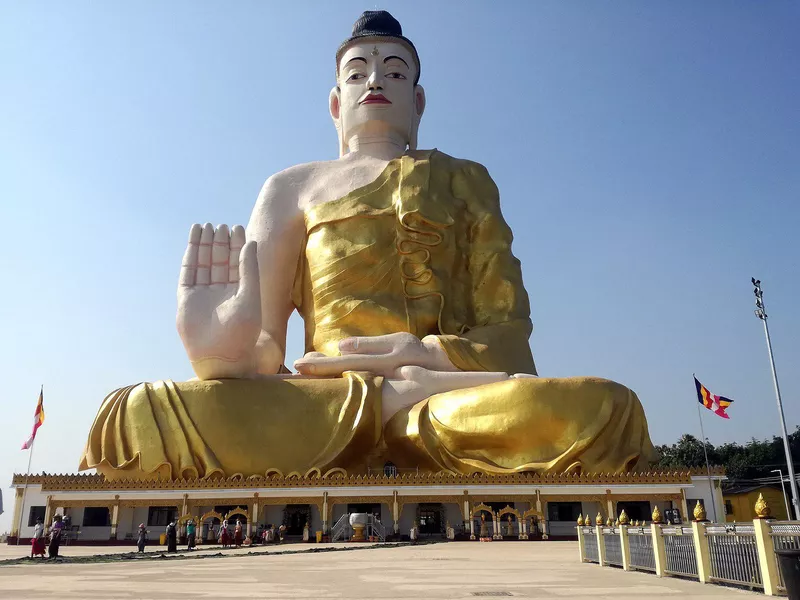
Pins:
x,y
33,497
273,515
125,526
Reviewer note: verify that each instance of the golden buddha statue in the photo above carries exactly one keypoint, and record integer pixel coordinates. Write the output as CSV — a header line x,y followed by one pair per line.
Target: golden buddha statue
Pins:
x,y
416,320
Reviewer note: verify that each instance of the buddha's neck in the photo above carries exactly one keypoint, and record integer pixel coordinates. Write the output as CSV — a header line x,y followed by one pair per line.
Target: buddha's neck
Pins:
x,y
385,146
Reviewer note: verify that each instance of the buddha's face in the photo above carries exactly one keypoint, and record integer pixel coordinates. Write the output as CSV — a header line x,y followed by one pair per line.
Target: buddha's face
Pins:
x,y
376,94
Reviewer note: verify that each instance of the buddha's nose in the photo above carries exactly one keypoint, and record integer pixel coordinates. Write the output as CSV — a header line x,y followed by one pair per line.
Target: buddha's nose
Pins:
x,y
375,81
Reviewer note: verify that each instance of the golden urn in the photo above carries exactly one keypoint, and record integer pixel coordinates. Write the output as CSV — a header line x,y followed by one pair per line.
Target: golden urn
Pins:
x,y
763,511
656,515
699,512
623,518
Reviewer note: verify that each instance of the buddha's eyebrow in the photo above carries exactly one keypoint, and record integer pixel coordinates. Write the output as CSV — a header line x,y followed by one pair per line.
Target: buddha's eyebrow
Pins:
x,y
385,60
361,58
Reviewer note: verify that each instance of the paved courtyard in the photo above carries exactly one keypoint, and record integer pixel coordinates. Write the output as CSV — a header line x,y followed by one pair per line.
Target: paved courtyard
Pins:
x,y
453,570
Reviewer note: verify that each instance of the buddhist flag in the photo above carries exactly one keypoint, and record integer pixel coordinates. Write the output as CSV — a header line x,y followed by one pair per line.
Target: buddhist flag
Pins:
x,y
38,419
714,403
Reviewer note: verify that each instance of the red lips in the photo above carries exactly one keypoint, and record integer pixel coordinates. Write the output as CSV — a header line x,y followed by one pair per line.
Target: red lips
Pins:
x,y
375,99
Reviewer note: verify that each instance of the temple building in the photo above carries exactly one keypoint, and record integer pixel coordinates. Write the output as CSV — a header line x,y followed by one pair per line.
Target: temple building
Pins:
x,y
517,506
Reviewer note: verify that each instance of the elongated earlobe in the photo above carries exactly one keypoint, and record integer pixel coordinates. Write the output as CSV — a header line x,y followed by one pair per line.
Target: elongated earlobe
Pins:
x,y
334,107
419,108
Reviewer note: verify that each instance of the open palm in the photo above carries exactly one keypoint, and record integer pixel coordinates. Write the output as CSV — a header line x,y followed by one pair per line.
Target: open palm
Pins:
x,y
219,308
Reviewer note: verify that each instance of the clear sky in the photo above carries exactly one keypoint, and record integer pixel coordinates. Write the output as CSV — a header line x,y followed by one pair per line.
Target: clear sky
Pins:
x,y
647,155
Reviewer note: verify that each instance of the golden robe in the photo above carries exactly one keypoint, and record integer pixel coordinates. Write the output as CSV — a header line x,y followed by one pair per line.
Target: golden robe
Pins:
x,y
422,249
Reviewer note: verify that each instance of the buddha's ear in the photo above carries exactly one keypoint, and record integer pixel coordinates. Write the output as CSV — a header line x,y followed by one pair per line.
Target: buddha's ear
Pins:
x,y
419,108
419,100
335,108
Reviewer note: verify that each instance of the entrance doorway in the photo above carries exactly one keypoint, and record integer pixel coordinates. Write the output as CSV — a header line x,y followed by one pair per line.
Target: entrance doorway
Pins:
x,y
430,518
295,517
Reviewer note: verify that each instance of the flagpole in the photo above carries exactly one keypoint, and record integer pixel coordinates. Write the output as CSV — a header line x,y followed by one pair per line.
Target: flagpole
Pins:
x,y
708,468
24,490
27,475
761,313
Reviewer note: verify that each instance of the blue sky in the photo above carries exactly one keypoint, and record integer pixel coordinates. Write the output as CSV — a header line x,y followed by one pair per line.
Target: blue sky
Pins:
x,y
646,153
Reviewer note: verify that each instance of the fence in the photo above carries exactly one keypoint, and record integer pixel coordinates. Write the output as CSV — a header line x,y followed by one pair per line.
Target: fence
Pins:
x,y
679,551
641,544
733,554
785,535
741,554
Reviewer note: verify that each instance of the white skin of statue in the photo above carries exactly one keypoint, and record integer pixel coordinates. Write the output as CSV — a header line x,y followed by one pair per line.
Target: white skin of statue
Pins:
x,y
235,286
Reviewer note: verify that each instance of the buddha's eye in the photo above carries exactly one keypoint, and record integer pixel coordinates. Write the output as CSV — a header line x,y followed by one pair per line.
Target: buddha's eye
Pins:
x,y
356,77
395,76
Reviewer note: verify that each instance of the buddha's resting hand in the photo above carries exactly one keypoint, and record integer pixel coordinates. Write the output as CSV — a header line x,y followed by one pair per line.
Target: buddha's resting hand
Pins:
x,y
409,385
219,308
381,354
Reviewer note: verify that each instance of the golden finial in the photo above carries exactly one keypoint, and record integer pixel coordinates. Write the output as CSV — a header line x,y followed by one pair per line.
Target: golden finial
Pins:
x,y
636,523
656,515
599,519
623,518
763,511
699,512
609,522
580,520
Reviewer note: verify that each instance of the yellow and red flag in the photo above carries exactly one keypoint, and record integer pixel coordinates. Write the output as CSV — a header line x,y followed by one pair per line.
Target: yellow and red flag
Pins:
x,y
38,419
714,403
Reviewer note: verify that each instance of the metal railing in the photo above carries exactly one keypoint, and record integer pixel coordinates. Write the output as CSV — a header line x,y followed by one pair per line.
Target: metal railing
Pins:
x,y
375,529
642,552
734,554
342,530
590,545
679,551
613,546
785,536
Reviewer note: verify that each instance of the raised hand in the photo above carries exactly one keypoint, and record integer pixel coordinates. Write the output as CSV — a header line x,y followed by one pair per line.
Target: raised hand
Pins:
x,y
219,307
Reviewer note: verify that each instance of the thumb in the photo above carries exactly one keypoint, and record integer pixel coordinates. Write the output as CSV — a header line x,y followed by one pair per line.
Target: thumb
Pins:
x,y
248,270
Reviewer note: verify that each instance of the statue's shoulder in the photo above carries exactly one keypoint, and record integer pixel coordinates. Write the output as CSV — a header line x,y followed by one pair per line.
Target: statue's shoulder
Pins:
x,y
470,180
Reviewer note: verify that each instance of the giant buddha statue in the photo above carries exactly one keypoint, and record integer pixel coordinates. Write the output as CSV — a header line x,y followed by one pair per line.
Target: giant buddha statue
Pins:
x,y
416,320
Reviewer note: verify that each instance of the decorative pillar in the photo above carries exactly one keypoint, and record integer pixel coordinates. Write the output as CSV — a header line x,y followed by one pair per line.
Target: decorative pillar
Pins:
x,y
766,556
610,508
395,513
253,515
684,506
625,547
702,552
659,551
581,544
185,507
15,524
114,518
48,512
324,514
601,545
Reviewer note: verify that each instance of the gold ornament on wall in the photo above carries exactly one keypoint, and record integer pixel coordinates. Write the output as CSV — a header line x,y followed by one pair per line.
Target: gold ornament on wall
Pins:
x,y
599,520
656,515
580,520
623,518
763,511
699,512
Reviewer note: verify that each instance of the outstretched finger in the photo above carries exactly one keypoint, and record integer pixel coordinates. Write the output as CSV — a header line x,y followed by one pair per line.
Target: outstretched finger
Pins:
x,y
336,365
237,242
248,267
189,264
220,252
204,255
378,344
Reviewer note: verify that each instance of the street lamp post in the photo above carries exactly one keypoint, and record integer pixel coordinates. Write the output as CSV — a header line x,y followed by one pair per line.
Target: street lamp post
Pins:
x,y
761,313
783,487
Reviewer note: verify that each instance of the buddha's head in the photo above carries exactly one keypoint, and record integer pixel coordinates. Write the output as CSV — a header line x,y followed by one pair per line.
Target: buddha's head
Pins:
x,y
377,83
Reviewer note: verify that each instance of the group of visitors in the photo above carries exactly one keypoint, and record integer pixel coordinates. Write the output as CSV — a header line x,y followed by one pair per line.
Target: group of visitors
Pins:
x,y
39,538
226,538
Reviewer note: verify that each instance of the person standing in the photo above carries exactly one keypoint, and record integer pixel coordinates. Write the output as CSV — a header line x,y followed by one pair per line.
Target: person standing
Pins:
x,y
141,538
237,534
37,543
55,536
191,533
224,536
172,537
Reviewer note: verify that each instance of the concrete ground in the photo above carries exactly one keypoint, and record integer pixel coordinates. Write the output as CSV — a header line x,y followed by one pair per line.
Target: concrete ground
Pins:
x,y
453,570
